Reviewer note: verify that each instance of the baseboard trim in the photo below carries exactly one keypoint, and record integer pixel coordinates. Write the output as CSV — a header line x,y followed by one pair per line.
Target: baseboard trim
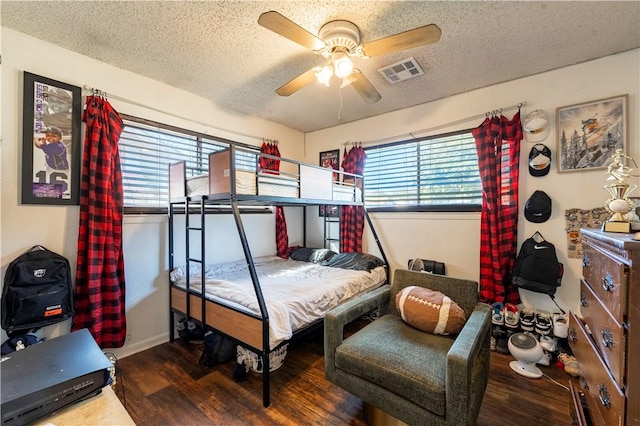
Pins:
x,y
133,348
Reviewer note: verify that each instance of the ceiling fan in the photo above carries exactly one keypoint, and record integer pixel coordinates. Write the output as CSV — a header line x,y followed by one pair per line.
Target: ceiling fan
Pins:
x,y
339,41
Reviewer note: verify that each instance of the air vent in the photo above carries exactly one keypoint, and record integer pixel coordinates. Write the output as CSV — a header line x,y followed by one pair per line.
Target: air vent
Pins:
x,y
401,71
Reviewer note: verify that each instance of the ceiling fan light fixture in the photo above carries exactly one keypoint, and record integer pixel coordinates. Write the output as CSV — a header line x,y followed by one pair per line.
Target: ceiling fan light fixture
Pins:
x,y
342,64
337,42
324,75
346,81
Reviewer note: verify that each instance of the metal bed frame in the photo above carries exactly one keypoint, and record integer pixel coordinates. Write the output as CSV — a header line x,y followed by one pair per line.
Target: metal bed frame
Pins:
x,y
247,329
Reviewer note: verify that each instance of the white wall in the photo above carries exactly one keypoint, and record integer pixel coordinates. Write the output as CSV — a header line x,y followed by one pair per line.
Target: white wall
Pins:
x,y
454,238
145,237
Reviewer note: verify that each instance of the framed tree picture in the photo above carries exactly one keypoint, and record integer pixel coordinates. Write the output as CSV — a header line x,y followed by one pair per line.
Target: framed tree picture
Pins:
x,y
50,141
589,133
330,160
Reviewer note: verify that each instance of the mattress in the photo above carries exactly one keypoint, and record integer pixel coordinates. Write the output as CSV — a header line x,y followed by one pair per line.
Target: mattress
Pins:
x,y
296,293
267,184
343,192
198,185
271,185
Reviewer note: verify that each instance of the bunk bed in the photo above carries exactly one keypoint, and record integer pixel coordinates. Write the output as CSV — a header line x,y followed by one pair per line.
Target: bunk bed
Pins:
x,y
244,300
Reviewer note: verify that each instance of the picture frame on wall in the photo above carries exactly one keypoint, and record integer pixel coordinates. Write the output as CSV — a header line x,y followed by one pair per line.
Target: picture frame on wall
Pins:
x,y
51,141
634,215
330,160
589,133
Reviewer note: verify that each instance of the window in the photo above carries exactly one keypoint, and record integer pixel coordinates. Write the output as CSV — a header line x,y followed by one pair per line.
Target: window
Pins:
x,y
147,149
437,173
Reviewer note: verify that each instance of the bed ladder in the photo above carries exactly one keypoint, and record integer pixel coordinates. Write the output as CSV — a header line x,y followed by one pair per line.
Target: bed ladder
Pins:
x,y
331,227
188,203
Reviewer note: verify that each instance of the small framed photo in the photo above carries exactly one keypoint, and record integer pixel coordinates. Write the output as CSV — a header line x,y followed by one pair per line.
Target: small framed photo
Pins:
x,y
330,160
589,133
51,141
634,215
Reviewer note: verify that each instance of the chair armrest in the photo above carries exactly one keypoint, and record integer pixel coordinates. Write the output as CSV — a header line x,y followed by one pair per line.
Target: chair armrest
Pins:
x,y
463,362
338,317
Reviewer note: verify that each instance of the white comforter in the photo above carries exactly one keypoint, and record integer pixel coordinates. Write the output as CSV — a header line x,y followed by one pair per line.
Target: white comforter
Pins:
x,y
296,293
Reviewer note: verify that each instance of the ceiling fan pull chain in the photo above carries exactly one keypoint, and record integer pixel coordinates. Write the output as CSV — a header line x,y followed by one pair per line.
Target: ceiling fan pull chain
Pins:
x,y
340,109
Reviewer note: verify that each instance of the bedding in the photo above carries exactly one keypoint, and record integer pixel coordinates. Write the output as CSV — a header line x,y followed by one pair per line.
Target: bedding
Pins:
x,y
354,261
315,255
297,293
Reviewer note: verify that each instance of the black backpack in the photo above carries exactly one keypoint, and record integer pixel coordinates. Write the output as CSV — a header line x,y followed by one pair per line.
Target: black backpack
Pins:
x,y
37,291
217,350
537,268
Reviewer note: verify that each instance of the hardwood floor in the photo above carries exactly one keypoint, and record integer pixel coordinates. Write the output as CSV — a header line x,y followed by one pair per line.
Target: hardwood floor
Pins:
x,y
165,385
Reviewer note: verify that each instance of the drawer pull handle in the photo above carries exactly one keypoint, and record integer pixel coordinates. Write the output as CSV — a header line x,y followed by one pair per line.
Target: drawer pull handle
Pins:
x,y
605,397
572,335
607,338
583,301
586,262
607,282
583,383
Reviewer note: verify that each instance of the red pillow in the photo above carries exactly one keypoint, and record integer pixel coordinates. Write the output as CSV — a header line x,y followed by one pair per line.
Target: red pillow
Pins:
x,y
430,311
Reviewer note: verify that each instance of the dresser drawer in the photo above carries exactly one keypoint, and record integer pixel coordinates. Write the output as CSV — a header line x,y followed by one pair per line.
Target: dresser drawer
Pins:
x,y
605,400
607,277
607,334
577,412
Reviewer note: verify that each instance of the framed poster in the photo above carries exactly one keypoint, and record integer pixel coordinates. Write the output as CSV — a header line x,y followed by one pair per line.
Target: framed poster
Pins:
x,y
634,215
330,160
589,133
50,141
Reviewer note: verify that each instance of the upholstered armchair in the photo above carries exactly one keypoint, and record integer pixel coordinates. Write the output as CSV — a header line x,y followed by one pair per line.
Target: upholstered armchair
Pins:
x,y
417,377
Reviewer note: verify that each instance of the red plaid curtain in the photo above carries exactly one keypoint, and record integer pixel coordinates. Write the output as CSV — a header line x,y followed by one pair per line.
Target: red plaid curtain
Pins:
x,y
498,146
270,165
100,280
352,217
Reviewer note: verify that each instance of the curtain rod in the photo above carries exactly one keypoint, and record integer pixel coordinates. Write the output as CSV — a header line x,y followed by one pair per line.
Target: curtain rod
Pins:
x,y
413,135
97,92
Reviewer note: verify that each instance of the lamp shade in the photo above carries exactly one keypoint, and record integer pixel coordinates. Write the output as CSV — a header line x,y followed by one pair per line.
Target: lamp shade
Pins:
x,y
342,64
324,75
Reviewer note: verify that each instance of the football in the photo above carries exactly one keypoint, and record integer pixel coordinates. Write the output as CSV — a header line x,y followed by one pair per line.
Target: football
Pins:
x,y
430,311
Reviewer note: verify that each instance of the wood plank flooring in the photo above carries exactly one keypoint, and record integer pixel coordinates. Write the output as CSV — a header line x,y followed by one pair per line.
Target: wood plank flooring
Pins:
x,y
165,385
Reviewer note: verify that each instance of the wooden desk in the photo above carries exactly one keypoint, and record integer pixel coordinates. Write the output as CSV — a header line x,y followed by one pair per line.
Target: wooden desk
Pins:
x,y
104,409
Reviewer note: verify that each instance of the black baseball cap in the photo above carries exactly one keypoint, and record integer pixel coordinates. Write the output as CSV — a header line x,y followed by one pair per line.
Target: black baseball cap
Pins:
x,y
539,160
538,207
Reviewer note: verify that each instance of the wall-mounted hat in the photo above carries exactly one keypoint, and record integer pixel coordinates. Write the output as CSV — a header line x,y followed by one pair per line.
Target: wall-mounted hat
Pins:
x,y
538,207
539,160
536,126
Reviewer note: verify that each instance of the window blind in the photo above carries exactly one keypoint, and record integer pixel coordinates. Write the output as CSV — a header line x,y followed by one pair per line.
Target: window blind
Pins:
x,y
434,173
147,150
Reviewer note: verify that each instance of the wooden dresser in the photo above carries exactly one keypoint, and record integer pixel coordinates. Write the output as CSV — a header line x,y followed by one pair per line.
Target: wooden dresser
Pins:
x,y
605,335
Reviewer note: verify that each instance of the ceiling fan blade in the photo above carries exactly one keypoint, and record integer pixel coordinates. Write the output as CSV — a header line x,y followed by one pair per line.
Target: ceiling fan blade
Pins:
x,y
363,86
285,27
402,41
297,83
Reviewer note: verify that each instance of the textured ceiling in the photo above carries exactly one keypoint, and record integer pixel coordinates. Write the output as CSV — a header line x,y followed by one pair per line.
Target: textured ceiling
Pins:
x,y
217,50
